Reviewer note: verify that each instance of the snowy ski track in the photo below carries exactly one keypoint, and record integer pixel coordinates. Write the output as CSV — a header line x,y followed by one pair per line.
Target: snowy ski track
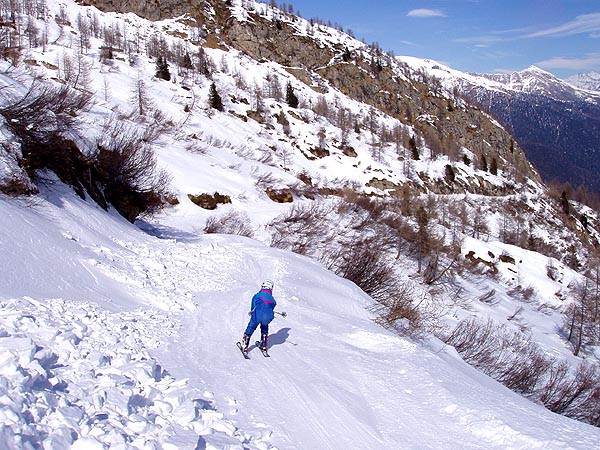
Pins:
x,y
335,380
116,306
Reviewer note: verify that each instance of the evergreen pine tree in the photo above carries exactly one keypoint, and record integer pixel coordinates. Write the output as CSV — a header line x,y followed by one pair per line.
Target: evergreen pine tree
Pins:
x,y
484,164
412,142
214,99
450,175
290,96
203,63
162,68
564,202
187,61
346,56
494,167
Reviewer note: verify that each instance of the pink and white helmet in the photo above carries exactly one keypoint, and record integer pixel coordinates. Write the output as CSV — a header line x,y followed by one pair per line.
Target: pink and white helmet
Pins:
x,y
267,284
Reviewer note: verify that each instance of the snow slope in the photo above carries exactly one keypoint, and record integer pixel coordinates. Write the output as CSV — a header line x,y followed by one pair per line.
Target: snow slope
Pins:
x,y
110,336
102,296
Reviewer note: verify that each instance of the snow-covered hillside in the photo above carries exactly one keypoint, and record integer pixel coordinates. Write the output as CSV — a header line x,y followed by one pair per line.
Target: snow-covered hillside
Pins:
x,y
115,335
589,81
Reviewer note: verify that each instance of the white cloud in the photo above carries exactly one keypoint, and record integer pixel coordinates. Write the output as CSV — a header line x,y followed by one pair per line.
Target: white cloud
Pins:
x,y
425,13
586,63
586,23
412,44
481,41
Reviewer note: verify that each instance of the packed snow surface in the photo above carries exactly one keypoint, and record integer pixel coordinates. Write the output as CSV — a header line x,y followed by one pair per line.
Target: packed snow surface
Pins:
x,y
111,336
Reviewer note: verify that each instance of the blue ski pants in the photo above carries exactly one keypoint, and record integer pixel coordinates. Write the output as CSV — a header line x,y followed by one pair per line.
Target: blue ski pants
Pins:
x,y
264,326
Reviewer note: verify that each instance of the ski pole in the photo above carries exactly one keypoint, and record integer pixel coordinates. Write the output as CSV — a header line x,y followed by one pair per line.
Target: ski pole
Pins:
x,y
282,314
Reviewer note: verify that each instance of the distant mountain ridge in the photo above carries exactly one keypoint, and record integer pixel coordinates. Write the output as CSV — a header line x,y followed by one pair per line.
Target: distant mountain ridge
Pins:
x,y
557,123
589,81
534,80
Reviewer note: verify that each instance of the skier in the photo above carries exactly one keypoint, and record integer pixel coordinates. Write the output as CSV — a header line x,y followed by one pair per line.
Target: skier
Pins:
x,y
261,313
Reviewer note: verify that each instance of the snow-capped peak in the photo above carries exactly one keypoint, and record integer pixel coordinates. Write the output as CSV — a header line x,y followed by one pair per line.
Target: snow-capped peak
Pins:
x,y
588,81
533,69
532,80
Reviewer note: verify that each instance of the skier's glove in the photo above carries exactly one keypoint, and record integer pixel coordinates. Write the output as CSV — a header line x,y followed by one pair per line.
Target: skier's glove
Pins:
x,y
249,313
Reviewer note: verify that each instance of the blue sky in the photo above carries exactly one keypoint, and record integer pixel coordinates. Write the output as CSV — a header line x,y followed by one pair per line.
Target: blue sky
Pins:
x,y
560,36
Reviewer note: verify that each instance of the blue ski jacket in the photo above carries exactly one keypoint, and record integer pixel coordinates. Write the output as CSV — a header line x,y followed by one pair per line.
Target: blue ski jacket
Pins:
x,y
263,305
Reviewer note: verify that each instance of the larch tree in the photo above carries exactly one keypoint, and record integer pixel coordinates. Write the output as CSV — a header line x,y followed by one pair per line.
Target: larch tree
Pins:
x,y
141,98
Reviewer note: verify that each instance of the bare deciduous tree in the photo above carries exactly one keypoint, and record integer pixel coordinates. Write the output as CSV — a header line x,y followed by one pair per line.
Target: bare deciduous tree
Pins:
x,y
581,315
140,97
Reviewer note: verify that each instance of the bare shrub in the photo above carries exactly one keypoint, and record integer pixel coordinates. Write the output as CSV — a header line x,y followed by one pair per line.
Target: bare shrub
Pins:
x,y
369,216
523,364
196,147
508,357
267,157
525,294
234,222
577,395
359,251
398,311
154,130
132,183
368,267
515,361
556,380
517,313
528,293
45,110
121,171
441,267
472,339
302,229
265,181
489,297
38,120
366,263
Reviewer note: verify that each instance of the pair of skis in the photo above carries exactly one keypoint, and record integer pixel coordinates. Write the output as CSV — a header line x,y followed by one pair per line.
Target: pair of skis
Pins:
x,y
262,350
245,353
